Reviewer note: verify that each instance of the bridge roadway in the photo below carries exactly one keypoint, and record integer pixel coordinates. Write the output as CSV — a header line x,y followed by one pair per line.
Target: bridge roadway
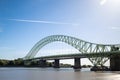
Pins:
x,y
76,55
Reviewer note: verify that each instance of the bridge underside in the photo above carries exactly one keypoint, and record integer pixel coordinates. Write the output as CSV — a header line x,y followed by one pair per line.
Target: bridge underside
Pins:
x,y
113,56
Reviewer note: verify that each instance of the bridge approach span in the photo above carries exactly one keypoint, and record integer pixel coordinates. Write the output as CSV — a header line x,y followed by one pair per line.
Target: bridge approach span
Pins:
x,y
75,55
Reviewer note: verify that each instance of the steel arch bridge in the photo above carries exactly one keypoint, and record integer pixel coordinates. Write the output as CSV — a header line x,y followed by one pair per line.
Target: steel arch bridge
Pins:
x,y
84,47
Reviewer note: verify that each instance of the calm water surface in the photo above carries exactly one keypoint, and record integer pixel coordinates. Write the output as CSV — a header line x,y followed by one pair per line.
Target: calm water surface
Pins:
x,y
55,74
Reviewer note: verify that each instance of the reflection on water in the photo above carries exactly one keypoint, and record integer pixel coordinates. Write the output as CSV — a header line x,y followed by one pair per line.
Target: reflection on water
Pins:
x,y
55,74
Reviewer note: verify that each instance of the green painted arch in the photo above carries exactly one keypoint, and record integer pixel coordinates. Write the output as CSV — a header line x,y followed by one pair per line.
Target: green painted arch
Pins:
x,y
81,45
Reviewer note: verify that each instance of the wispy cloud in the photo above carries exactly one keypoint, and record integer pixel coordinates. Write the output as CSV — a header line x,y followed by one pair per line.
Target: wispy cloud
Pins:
x,y
45,22
6,48
115,28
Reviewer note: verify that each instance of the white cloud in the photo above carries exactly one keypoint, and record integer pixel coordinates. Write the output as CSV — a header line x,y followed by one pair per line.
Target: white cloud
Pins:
x,y
6,48
102,2
45,22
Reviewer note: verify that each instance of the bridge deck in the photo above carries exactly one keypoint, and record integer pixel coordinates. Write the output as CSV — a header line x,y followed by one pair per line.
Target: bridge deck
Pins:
x,y
80,55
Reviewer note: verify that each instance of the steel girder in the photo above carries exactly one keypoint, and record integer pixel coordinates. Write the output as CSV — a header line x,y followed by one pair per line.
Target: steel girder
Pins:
x,y
81,45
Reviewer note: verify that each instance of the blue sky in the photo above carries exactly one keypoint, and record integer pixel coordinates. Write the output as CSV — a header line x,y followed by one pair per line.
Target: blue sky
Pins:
x,y
24,22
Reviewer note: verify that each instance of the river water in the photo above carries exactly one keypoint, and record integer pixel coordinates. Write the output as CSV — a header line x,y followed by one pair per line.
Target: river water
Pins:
x,y
55,74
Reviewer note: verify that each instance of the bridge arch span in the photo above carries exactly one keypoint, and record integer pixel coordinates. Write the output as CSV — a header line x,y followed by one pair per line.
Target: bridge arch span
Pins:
x,y
84,47
66,39
81,45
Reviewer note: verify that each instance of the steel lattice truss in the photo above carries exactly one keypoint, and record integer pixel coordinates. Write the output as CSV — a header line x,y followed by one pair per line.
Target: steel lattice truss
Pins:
x,y
83,46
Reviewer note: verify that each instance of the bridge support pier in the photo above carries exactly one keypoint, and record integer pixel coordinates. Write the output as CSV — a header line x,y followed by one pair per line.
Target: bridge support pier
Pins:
x,y
77,63
56,63
115,62
42,63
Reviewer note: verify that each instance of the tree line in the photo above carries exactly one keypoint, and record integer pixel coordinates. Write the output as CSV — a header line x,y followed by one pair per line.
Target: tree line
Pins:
x,y
20,63
8,63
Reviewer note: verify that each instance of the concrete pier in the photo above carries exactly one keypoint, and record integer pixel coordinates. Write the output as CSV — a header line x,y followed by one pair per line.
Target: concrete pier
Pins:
x,y
56,63
42,63
115,62
77,63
